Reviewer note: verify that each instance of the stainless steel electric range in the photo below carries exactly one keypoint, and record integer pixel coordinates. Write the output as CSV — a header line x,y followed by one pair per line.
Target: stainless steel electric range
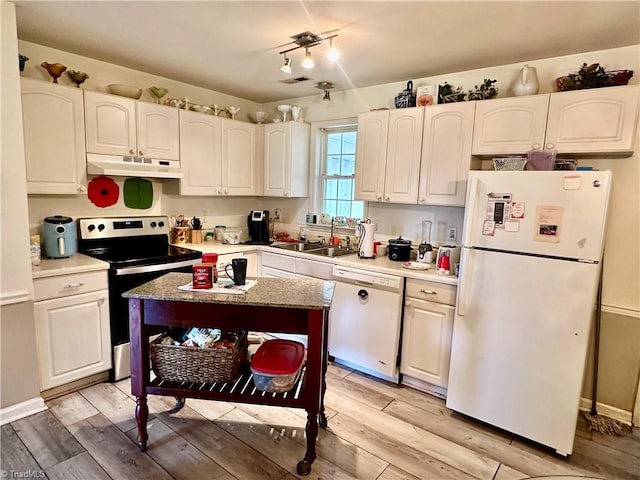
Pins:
x,y
137,250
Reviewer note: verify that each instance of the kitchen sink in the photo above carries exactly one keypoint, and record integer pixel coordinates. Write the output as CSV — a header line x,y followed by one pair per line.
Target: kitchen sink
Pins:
x,y
332,251
315,249
298,247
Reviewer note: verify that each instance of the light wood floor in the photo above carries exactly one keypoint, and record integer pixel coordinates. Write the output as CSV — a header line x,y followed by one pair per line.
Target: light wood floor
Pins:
x,y
376,431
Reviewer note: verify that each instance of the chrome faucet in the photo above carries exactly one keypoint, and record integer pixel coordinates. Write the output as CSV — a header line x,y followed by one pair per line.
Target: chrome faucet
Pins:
x,y
331,232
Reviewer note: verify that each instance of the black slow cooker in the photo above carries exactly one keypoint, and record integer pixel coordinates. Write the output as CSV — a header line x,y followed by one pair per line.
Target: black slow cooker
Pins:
x,y
399,249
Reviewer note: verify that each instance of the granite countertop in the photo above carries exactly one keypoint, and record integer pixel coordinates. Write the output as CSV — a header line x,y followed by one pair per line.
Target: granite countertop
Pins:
x,y
268,292
77,263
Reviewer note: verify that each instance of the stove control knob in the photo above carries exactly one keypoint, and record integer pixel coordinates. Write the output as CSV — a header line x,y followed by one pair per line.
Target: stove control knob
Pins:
x,y
91,227
153,224
161,224
101,227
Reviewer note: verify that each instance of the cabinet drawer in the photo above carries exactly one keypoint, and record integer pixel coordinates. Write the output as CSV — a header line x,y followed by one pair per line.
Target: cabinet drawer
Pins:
x,y
281,262
314,269
65,285
431,291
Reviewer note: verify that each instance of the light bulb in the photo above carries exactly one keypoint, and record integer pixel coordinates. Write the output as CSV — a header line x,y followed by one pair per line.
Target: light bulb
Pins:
x,y
286,68
333,54
308,61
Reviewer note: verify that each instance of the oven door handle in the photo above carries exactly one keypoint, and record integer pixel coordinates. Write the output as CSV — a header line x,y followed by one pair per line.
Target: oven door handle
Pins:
x,y
155,268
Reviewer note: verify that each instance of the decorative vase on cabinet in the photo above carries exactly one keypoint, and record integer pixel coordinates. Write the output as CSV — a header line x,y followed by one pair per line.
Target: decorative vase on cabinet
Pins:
x,y
527,82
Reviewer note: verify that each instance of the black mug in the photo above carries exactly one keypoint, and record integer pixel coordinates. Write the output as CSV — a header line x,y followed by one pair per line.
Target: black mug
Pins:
x,y
239,266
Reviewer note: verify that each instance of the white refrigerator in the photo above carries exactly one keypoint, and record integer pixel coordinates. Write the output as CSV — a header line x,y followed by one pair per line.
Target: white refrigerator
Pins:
x,y
529,271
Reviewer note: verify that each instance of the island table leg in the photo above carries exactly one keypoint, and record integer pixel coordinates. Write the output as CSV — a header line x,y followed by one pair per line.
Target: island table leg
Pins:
x,y
311,430
142,415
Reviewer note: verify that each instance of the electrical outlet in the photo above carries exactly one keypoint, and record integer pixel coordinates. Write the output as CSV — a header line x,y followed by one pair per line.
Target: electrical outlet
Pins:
x,y
277,215
452,233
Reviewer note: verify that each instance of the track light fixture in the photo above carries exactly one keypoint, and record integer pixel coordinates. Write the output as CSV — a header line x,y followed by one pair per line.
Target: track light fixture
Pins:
x,y
286,68
307,40
325,87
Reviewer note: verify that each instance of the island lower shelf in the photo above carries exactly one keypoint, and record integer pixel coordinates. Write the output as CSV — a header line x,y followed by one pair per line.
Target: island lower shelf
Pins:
x,y
241,390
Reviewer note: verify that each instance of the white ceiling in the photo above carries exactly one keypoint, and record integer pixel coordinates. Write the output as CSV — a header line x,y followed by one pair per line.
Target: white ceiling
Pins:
x,y
233,46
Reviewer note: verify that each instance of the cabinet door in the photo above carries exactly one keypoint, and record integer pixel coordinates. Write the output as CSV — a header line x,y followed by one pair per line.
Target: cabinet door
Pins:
x,y
446,154
371,155
54,138
286,159
277,159
403,155
158,131
600,120
73,337
510,125
239,158
111,124
200,151
426,341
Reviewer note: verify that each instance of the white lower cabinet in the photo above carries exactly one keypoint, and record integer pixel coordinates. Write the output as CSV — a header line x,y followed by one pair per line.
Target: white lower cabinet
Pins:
x,y
72,327
428,325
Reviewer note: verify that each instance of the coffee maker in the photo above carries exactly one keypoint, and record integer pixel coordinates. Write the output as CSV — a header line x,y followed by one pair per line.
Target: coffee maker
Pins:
x,y
258,222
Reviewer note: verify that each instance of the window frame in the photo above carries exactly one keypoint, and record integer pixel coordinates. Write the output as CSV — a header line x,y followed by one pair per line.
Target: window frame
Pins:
x,y
318,142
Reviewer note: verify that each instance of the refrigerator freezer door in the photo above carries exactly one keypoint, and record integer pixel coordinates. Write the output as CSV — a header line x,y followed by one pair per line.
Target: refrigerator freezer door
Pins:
x,y
519,348
556,213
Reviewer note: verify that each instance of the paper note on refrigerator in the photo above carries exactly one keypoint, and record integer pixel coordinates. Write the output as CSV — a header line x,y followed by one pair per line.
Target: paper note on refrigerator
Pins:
x,y
548,223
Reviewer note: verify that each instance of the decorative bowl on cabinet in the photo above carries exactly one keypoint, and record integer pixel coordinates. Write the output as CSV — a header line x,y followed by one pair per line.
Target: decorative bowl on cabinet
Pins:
x,y
125,90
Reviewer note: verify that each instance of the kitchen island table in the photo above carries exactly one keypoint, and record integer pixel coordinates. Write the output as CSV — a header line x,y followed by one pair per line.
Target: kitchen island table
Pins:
x,y
271,305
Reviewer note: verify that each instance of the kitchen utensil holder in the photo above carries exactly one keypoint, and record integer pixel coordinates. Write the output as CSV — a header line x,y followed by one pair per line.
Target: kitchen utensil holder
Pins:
x,y
177,363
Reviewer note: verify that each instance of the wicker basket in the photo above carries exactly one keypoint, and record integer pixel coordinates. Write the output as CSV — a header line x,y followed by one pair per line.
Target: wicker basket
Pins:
x,y
613,78
509,163
202,365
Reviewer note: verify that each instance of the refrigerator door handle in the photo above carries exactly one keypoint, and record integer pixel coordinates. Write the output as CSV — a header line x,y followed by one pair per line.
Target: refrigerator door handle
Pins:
x,y
470,210
466,270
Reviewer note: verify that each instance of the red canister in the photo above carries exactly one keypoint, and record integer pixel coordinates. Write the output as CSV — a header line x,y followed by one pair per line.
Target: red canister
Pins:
x,y
213,259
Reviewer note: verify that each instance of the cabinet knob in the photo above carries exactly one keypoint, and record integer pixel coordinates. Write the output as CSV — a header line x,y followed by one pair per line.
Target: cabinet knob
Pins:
x,y
407,304
141,152
428,292
226,191
285,193
422,199
387,197
378,196
132,151
82,189
550,146
536,146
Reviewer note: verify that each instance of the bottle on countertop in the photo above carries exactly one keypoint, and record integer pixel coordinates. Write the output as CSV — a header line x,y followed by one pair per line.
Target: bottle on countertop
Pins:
x,y
36,250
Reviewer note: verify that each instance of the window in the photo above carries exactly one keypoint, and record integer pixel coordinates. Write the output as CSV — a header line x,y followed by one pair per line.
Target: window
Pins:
x,y
338,173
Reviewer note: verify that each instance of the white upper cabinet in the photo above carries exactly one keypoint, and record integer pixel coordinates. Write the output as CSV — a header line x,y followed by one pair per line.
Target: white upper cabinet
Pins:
x,y
54,138
403,155
200,154
593,121
510,125
286,159
446,153
599,120
241,150
123,126
388,155
371,154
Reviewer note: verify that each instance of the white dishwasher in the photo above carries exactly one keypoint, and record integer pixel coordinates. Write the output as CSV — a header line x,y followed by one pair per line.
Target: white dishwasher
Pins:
x,y
364,321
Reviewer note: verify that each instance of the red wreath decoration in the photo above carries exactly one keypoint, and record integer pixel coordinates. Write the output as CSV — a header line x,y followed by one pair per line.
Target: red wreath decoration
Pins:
x,y
103,191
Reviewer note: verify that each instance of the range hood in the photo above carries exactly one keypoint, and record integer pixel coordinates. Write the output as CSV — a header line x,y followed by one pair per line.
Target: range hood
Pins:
x,y
132,166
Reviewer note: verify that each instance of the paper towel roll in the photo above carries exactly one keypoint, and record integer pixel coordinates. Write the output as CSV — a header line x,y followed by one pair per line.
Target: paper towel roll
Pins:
x,y
366,230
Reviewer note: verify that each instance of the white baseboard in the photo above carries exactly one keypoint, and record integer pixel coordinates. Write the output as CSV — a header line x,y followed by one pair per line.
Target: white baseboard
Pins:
x,y
615,413
21,410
